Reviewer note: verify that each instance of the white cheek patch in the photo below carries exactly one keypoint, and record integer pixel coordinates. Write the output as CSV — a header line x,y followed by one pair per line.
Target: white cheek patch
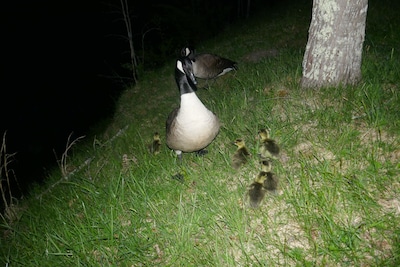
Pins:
x,y
187,51
179,65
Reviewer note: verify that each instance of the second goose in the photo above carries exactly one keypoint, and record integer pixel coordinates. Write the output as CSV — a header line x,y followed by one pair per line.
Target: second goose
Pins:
x,y
208,66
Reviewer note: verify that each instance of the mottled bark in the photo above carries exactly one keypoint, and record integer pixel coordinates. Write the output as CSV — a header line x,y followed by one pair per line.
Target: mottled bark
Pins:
x,y
334,48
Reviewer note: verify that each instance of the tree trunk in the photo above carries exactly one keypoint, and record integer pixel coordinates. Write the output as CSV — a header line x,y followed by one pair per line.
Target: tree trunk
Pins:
x,y
335,41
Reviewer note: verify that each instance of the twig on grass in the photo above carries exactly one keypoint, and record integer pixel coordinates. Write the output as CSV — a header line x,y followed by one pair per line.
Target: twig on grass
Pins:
x,y
63,162
5,160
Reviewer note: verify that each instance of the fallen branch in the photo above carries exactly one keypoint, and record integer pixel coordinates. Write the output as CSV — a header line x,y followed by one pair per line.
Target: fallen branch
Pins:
x,y
4,162
84,164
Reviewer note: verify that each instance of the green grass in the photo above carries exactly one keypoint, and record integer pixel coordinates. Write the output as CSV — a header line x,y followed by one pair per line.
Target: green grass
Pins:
x,y
339,192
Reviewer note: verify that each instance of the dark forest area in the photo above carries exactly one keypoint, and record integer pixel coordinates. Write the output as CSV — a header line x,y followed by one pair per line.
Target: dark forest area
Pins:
x,y
67,62
161,28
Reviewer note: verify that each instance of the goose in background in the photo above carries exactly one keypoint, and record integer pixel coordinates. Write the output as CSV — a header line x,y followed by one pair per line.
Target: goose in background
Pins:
x,y
191,127
268,147
208,66
240,156
154,147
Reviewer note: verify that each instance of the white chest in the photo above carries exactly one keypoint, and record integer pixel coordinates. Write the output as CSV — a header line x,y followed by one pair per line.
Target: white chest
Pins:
x,y
193,116
194,126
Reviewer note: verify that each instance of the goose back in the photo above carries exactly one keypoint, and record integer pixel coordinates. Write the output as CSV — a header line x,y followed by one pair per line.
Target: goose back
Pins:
x,y
207,65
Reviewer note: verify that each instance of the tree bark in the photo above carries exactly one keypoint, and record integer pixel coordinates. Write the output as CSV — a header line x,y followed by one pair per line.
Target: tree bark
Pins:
x,y
335,41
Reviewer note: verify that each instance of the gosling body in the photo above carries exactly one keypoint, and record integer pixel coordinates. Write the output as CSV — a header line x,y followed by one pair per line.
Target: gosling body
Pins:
x,y
155,146
268,147
241,155
257,190
271,180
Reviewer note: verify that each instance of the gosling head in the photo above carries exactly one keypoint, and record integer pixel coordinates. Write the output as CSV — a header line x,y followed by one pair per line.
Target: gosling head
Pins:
x,y
261,177
156,136
266,165
240,143
263,134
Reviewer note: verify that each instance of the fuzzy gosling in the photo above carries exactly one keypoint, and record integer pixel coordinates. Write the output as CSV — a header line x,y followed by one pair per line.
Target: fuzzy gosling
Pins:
x,y
268,147
240,156
271,181
155,146
257,190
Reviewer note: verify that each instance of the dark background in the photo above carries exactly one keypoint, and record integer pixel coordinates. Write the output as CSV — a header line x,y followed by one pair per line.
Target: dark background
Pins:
x,y
62,65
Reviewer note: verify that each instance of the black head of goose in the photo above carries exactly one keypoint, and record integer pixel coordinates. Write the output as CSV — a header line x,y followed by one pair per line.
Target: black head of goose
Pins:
x,y
190,127
208,66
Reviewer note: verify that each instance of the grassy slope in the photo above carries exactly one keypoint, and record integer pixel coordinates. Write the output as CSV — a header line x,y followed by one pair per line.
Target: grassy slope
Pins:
x,y
338,201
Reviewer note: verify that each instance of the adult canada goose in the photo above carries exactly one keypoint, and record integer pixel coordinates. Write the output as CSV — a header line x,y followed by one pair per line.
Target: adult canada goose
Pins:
x,y
257,191
190,127
154,147
240,156
208,66
268,147
271,181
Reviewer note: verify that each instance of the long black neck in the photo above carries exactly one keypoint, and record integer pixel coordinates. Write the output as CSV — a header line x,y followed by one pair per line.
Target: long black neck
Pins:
x,y
185,80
